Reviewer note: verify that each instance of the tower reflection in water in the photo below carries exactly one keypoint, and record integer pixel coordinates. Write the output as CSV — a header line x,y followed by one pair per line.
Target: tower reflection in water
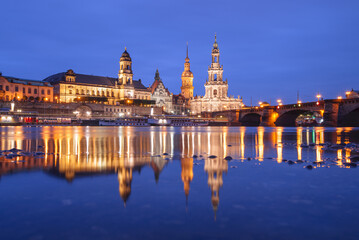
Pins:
x,y
73,151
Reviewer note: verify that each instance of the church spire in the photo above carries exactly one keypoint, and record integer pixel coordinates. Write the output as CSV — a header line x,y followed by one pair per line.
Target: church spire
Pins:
x,y
187,79
187,58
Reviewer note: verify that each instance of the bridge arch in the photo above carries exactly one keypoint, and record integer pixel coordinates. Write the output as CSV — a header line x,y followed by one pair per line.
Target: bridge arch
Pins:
x,y
288,118
83,111
251,119
351,119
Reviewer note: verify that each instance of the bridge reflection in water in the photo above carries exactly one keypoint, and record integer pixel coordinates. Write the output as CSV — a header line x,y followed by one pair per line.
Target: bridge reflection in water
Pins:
x,y
76,151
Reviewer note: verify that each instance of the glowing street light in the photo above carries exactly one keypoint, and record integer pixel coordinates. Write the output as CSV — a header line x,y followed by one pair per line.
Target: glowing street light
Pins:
x,y
340,97
279,101
318,96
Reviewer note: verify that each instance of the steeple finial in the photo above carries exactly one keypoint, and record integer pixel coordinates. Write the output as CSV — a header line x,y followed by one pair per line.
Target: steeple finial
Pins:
x,y
125,48
215,44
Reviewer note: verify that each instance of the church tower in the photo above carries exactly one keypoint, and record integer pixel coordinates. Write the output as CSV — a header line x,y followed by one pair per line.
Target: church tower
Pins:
x,y
187,80
215,87
125,74
215,71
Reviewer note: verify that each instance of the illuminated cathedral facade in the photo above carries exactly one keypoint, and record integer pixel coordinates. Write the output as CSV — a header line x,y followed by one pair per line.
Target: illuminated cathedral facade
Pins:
x,y
216,90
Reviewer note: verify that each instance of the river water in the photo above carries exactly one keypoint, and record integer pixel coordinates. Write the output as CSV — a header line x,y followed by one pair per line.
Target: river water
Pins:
x,y
174,183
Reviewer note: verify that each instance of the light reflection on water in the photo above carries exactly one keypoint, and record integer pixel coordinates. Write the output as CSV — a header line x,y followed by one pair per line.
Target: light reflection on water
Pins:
x,y
76,151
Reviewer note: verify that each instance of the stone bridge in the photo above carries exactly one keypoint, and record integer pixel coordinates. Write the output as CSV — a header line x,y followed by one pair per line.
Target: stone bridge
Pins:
x,y
335,112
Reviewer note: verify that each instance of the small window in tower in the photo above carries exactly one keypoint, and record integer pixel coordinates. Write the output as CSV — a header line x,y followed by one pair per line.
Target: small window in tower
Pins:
x,y
128,67
215,77
121,67
215,92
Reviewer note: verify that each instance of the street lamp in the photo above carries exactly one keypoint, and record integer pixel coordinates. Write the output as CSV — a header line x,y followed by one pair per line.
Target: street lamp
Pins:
x,y
319,96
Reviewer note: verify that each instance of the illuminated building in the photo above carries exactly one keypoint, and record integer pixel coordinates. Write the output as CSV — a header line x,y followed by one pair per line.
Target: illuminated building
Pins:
x,y
15,89
187,80
161,95
72,87
216,90
352,94
179,104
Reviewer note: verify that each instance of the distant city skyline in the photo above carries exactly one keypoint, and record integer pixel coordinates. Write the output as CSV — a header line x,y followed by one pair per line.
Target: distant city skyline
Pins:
x,y
269,50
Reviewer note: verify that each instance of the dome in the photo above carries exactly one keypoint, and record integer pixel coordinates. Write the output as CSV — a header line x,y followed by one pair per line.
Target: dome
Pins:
x,y
125,56
187,74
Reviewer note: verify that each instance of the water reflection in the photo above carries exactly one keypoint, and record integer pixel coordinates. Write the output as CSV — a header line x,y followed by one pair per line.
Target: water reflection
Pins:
x,y
75,151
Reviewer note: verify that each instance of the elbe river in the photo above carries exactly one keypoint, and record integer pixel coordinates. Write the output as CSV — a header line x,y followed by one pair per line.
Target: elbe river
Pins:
x,y
72,182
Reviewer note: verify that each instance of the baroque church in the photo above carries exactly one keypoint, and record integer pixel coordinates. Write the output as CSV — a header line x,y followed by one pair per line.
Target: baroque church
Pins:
x,y
216,90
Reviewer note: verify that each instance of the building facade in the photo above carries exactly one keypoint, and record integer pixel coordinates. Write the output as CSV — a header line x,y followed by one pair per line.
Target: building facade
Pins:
x,y
352,94
72,87
187,80
161,95
216,90
16,89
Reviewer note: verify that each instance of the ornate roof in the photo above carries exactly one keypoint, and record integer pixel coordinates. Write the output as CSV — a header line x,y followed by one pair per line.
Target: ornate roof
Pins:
x,y
91,80
125,56
26,81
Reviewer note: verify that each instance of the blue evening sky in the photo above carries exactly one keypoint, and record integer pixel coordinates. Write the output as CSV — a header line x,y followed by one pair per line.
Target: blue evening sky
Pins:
x,y
269,49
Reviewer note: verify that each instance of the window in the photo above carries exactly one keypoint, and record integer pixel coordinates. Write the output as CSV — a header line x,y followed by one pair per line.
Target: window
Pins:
x,y
128,67
24,90
77,91
215,92
29,90
70,91
35,91
0,87
7,88
42,91
121,67
16,89
48,92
